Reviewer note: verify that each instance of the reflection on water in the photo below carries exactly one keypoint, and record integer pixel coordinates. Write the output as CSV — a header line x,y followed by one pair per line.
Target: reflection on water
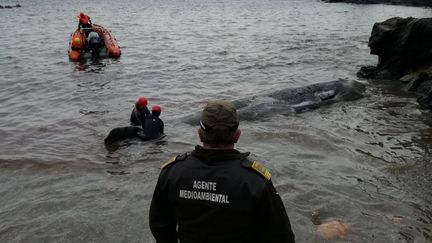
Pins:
x,y
150,146
92,65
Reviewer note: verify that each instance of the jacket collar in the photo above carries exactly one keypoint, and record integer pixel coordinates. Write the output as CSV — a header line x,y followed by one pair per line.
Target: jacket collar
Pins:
x,y
218,154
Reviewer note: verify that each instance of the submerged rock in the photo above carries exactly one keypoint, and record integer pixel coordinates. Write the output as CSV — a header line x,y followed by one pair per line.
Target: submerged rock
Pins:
x,y
333,229
404,50
328,227
392,2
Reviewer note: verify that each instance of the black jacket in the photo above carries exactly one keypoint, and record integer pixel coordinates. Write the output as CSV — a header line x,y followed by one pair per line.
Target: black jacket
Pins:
x,y
217,196
153,126
137,117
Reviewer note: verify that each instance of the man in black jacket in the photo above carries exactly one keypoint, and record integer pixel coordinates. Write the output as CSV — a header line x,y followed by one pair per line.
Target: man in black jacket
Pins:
x,y
215,193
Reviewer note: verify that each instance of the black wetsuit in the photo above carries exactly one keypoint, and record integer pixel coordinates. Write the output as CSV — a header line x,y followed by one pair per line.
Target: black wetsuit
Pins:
x,y
153,126
138,117
217,196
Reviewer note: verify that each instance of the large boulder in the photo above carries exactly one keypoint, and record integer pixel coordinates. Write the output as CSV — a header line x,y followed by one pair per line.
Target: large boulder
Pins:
x,y
404,50
393,2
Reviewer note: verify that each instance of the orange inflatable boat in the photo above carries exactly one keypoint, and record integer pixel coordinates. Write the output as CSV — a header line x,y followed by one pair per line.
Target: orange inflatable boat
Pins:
x,y
110,41
80,44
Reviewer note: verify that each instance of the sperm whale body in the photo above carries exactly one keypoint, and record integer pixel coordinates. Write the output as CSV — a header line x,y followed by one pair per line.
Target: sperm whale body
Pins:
x,y
293,100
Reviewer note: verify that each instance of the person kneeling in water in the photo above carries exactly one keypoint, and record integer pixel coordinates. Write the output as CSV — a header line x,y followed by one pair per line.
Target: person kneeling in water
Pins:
x,y
153,126
139,112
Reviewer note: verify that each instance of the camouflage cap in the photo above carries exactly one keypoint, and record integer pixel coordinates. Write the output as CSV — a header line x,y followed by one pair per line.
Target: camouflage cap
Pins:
x,y
219,119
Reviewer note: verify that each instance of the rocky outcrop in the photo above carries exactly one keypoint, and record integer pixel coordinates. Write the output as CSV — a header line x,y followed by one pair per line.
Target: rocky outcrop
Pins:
x,y
392,2
404,49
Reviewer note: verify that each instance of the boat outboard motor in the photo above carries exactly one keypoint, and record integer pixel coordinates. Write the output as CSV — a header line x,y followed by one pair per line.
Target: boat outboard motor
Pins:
x,y
94,43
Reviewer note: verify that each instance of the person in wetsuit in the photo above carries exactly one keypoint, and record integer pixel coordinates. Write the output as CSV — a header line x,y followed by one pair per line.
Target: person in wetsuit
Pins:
x,y
153,125
216,193
139,112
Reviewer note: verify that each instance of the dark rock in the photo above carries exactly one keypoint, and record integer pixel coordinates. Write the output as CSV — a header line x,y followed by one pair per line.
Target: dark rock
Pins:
x,y
404,49
392,2
424,94
416,80
368,72
1,6
401,45
7,6
18,6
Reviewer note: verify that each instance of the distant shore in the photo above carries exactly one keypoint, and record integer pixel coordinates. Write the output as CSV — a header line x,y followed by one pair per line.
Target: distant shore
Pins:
x,y
11,6
424,3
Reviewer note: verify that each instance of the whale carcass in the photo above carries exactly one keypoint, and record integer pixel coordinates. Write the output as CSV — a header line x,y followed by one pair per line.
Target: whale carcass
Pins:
x,y
293,100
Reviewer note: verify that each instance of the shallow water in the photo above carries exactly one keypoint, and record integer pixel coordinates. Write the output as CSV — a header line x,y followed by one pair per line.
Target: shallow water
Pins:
x,y
366,162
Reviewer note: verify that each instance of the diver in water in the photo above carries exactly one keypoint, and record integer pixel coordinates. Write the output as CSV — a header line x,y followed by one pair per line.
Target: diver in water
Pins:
x,y
153,126
139,112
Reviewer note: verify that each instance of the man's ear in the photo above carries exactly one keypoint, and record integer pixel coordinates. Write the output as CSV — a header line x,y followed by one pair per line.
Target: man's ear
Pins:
x,y
237,134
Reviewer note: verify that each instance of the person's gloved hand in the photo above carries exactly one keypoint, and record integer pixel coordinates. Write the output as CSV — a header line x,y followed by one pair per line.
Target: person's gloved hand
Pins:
x,y
141,134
